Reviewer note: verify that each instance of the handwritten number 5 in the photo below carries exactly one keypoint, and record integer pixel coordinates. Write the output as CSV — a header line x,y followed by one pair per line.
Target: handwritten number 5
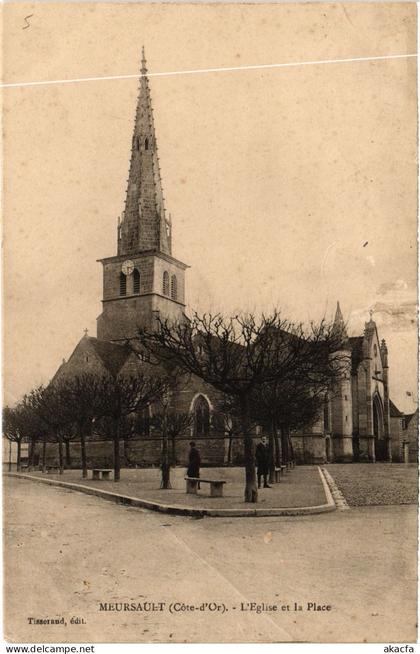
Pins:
x,y
27,22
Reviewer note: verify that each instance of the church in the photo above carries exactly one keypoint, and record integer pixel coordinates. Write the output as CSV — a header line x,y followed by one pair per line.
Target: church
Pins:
x,y
144,281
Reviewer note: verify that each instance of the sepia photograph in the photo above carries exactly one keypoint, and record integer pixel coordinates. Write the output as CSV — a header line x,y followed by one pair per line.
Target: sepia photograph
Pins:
x,y
210,322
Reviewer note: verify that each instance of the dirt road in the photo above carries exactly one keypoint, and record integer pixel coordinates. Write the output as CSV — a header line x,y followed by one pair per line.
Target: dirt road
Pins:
x,y
69,555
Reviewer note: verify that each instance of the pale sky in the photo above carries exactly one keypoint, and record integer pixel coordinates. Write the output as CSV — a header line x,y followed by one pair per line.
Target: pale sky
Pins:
x,y
292,187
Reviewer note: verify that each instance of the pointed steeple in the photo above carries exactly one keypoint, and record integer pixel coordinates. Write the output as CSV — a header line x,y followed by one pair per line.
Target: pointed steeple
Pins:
x,y
339,326
144,225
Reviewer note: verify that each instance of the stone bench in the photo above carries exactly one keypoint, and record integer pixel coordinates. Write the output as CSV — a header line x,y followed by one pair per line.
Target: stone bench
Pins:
x,y
101,473
52,469
216,486
279,471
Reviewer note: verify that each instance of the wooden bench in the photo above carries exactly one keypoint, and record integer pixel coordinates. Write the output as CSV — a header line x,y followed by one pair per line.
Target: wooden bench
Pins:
x,y
279,471
101,473
216,486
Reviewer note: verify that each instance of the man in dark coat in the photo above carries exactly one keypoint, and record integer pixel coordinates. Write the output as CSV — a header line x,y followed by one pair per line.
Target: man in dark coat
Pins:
x,y
194,461
262,458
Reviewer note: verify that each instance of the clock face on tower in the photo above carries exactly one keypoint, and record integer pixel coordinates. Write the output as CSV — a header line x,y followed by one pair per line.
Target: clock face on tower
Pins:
x,y
127,267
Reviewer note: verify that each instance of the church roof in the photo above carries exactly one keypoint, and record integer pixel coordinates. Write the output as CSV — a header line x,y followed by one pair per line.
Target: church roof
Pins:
x,y
410,416
112,355
393,411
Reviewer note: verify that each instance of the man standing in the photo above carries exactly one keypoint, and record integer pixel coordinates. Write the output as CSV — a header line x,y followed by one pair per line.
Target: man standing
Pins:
x,y
262,458
194,462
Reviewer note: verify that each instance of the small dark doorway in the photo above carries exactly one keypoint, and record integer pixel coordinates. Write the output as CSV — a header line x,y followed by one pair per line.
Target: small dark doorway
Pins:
x,y
356,448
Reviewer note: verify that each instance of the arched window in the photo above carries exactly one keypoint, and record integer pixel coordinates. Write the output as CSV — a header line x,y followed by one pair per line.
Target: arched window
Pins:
x,y
136,281
123,284
146,144
201,417
174,287
165,284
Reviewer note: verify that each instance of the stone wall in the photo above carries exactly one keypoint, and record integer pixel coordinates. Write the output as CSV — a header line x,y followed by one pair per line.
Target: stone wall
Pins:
x,y
412,436
397,438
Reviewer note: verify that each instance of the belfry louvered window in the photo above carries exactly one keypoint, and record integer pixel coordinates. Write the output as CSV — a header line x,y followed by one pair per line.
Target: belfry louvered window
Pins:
x,y
123,284
146,144
165,284
174,287
136,281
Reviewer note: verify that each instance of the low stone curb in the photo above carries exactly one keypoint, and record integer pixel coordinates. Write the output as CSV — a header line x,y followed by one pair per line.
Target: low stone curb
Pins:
x,y
338,496
185,510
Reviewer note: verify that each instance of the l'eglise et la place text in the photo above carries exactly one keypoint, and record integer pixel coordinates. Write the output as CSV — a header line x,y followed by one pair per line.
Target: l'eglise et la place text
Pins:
x,y
264,607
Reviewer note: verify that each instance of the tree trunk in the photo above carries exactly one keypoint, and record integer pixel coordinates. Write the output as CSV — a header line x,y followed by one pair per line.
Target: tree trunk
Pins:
x,y
83,451
44,452
284,446
272,448
126,455
277,448
289,442
251,492
68,454
60,454
117,461
31,454
19,443
10,457
173,450
165,465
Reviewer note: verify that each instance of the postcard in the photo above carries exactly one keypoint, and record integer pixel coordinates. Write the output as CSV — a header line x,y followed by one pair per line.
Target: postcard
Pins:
x,y
210,412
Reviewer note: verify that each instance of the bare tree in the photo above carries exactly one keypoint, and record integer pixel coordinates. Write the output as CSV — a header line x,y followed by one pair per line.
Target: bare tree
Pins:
x,y
80,395
120,398
227,425
170,425
14,429
35,428
49,403
283,406
69,434
239,355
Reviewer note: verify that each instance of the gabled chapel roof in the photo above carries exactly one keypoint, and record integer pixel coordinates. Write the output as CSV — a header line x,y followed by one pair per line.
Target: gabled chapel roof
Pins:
x,y
112,355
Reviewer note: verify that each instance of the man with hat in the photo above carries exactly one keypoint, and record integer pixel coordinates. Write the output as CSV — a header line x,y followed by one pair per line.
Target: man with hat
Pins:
x,y
262,458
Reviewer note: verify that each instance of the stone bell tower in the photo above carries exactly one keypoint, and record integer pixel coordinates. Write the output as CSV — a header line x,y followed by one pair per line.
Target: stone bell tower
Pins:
x,y
143,281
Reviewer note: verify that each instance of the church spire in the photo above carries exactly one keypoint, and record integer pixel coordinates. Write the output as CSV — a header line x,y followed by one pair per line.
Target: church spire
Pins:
x,y
144,225
339,326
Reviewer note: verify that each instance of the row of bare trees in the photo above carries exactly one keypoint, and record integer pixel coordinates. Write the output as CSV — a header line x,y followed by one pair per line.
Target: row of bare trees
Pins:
x,y
269,371
112,407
